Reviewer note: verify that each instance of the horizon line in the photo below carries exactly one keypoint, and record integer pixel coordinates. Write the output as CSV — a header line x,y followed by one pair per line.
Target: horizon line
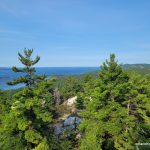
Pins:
x,y
74,66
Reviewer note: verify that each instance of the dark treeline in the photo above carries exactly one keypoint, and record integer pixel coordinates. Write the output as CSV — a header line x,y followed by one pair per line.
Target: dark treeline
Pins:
x,y
113,105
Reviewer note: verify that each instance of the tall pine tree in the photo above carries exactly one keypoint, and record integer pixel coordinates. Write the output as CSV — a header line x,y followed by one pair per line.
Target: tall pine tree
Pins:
x,y
29,79
114,115
28,124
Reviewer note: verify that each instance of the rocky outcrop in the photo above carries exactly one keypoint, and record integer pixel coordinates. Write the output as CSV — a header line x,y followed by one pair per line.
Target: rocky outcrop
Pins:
x,y
69,120
71,101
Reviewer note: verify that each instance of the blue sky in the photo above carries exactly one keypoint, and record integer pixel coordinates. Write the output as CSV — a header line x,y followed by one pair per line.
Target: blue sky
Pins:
x,y
75,32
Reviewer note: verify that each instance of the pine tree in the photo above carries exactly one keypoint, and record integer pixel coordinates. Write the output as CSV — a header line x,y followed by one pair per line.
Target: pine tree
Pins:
x,y
29,79
28,124
113,118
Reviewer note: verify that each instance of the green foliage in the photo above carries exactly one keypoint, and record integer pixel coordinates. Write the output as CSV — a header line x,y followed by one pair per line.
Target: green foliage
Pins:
x,y
30,78
42,146
69,87
116,110
114,107
33,137
31,114
27,123
87,88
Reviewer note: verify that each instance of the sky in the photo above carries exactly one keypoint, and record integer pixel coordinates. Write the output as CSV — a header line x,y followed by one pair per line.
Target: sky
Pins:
x,y
75,32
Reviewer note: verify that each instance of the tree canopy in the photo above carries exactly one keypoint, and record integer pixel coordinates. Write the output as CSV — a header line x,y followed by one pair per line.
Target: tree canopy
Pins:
x,y
114,108
116,114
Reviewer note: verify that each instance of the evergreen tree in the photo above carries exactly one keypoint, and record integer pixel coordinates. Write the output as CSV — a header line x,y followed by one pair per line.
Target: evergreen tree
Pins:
x,y
28,124
113,118
29,78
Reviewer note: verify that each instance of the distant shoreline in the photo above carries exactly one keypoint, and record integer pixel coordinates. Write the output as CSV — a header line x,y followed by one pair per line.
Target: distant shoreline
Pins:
x,y
6,74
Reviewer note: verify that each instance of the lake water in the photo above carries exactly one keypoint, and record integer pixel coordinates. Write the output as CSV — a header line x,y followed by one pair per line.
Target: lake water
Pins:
x,y
6,74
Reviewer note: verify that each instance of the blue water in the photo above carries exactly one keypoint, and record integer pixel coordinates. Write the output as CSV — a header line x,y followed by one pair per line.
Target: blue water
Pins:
x,y
6,74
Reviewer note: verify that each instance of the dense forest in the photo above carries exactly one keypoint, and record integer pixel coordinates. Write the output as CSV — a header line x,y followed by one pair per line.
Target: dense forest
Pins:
x,y
105,110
